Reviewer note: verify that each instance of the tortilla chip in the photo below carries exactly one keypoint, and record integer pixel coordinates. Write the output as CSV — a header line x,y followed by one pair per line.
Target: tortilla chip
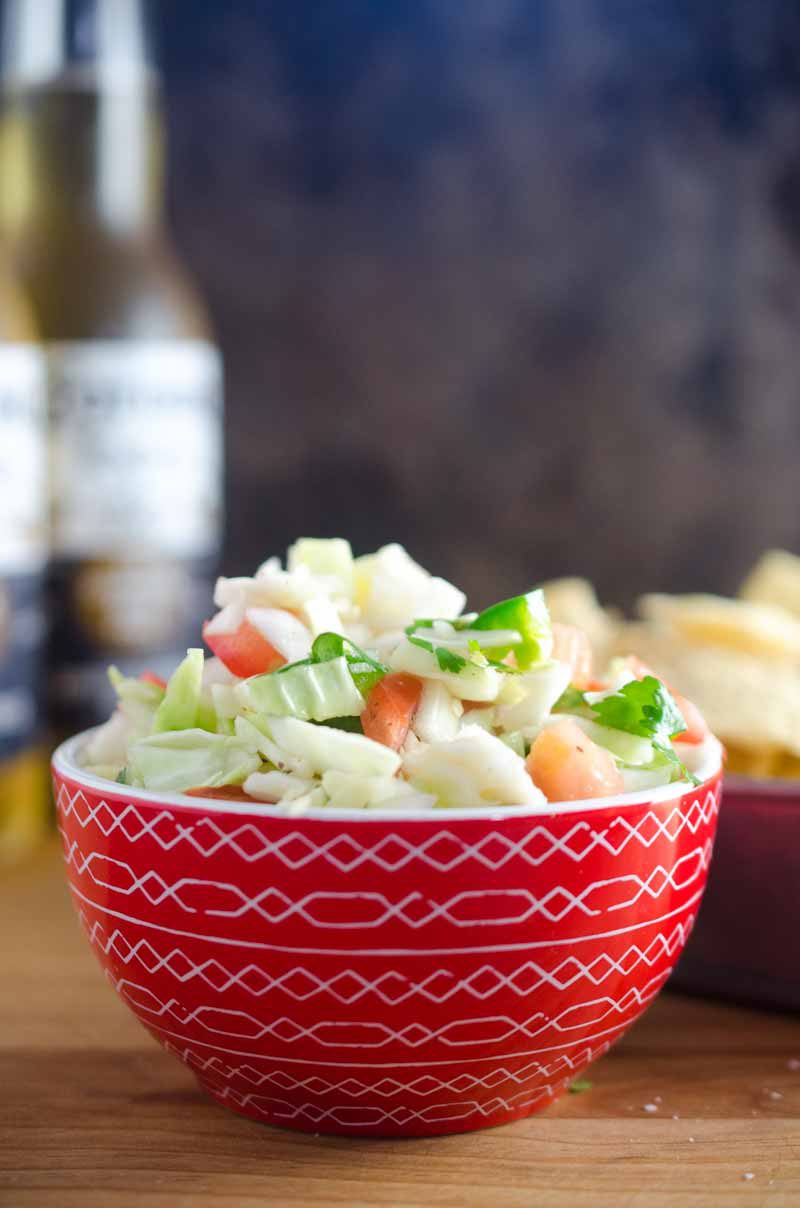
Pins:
x,y
775,580
764,630
749,703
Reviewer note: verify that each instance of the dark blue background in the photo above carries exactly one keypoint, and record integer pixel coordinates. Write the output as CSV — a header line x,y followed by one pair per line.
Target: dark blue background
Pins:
x,y
515,282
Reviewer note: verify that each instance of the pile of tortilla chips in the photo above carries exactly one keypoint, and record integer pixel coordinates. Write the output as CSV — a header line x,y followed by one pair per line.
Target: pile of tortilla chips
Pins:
x,y
738,660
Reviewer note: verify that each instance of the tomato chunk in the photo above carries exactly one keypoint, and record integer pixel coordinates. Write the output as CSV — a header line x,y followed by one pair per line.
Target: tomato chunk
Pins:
x,y
226,792
567,766
390,709
150,677
697,730
244,652
571,645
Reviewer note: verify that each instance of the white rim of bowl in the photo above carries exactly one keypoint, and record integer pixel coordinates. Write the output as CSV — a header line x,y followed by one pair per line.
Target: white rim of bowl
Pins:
x,y
65,763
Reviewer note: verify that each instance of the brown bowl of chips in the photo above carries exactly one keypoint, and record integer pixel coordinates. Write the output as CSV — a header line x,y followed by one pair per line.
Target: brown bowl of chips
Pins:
x,y
739,661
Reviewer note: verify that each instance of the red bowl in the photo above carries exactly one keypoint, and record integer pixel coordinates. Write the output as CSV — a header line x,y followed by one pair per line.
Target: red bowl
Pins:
x,y
747,943
378,972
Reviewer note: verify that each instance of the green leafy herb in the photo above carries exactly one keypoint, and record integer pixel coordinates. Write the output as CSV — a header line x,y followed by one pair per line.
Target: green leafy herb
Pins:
x,y
448,660
645,708
579,1085
122,778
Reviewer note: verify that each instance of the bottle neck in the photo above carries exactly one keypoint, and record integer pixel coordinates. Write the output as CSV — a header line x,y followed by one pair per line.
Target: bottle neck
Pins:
x,y
77,154
81,133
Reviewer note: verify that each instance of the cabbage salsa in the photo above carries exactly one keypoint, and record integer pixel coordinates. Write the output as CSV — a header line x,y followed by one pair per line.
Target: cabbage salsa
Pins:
x,y
362,683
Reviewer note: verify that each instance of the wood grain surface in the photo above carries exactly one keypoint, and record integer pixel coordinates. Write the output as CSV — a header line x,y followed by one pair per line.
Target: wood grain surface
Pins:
x,y
94,1115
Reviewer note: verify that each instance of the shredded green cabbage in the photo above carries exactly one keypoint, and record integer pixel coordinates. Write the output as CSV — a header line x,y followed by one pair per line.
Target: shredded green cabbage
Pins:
x,y
310,691
177,760
180,706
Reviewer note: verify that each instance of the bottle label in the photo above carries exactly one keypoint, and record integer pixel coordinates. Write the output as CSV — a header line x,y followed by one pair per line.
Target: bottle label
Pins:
x,y
135,447
22,542
136,473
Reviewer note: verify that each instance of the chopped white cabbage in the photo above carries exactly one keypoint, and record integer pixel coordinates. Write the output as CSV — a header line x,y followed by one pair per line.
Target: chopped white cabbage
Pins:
x,y
276,787
540,687
291,589
348,790
228,619
486,718
323,748
215,672
330,558
393,590
472,682
109,742
284,632
516,741
254,733
474,769
438,714
225,699
322,616
461,640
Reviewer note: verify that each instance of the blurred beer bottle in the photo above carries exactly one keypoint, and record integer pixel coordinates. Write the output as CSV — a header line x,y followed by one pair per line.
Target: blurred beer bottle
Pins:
x,y
134,379
24,797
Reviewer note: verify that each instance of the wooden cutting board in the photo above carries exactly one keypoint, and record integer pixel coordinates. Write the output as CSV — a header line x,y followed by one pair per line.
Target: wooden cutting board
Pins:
x,y
94,1115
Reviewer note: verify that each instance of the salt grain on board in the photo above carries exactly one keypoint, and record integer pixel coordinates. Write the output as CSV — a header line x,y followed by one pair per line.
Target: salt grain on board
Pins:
x,y
650,1107
748,1175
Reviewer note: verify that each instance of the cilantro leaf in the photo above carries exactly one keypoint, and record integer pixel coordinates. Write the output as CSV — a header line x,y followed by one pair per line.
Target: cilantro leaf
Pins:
x,y
646,709
643,707
448,660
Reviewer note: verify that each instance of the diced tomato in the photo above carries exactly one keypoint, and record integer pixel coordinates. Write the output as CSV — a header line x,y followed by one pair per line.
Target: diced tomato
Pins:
x,y
244,652
567,766
150,677
227,792
571,645
696,727
390,709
